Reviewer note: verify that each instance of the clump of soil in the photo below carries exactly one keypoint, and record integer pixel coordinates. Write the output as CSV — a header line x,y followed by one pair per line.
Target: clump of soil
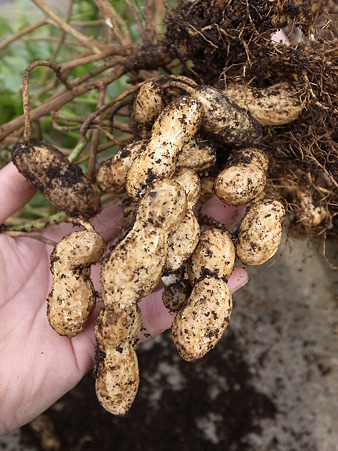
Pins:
x,y
222,42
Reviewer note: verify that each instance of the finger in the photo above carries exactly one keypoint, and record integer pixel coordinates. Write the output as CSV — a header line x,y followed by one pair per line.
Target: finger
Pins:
x,y
228,215
108,223
156,318
15,191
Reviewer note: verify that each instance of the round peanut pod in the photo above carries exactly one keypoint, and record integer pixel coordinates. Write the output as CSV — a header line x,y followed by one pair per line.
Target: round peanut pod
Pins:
x,y
260,232
244,177
225,121
72,296
176,124
147,105
61,182
117,378
200,324
276,105
175,294
238,185
112,174
213,256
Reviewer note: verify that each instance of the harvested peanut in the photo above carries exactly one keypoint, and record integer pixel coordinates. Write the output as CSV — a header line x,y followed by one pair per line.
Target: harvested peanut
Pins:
x,y
184,239
200,324
243,179
213,256
134,266
131,271
62,183
117,379
112,174
276,105
72,297
176,291
260,232
225,121
147,105
172,129
182,242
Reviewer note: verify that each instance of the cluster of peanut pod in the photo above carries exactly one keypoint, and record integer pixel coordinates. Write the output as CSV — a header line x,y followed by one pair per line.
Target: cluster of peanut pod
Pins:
x,y
164,173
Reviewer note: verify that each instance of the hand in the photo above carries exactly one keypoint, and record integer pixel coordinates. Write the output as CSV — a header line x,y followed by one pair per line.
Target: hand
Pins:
x,y
37,366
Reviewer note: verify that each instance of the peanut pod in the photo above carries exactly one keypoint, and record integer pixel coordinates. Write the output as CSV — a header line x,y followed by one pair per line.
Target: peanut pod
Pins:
x,y
72,297
214,256
244,177
260,232
147,105
225,121
175,125
200,324
62,183
112,174
184,239
276,105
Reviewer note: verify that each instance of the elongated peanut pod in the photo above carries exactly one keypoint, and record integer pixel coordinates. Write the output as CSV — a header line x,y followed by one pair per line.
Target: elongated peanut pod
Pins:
x,y
176,124
62,183
200,324
72,296
243,179
117,379
213,256
184,239
225,121
112,174
147,105
135,265
182,243
260,232
276,105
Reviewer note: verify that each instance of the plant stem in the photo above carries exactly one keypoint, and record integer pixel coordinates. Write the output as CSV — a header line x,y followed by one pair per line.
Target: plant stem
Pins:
x,y
37,224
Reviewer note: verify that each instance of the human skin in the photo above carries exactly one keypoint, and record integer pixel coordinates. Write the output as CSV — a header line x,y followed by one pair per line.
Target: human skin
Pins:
x,y
37,366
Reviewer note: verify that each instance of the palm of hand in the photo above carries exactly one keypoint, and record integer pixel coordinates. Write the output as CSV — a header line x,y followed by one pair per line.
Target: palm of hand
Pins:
x,y
50,361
